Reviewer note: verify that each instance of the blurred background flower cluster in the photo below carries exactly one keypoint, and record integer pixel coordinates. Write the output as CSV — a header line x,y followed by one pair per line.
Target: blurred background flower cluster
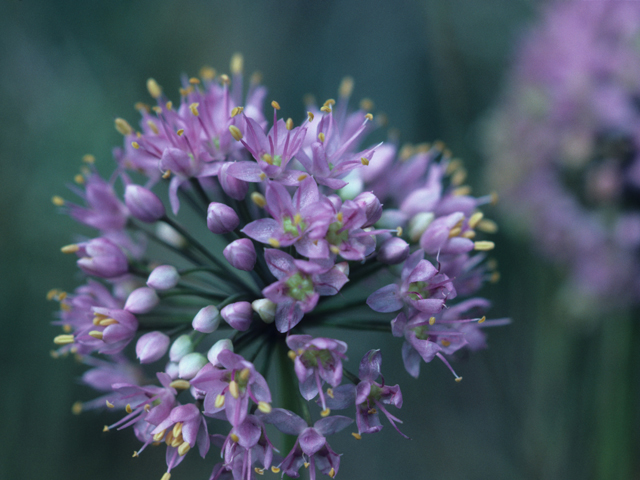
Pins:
x,y
554,396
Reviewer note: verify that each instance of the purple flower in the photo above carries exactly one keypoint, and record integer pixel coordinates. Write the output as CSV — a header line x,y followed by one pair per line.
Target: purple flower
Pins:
x,y
221,218
104,211
143,204
101,257
241,254
152,346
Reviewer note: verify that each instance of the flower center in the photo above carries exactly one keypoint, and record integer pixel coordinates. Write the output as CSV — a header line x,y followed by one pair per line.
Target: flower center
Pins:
x,y
293,226
419,290
299,286
335,236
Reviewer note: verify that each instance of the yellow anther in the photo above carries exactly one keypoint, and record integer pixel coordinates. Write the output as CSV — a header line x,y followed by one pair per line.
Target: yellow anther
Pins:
x,y
236,111
194,108
224,78
329,102
194,81
154,89
445,343
482,320
79,179
462,191
263,176
264,407
107,321
484,246
258,199
306,464
364,161
475,219
233,389
89,159
368,116
300,351
207,73
330,392
372,411
105,429
244,374
321,137
259,471
64,339
289,124
234,437
166,174
325,109
366,104
275,469
274,242
169,438
458,379
96,334
453,166
123,127
454,232
325,412
494,198
237,62
267,158
185,91
159,436
176,441
180,132
51,294
135,454
310,116
487,226
76,408
334,249
66,328
346,87
356,435
184,448
135,145
147,408
169,105
297,218
109,404
339,216
291,354
470,234
235,133
128,408
399,231
301,177
332,472
166,476
219,401
157,109
57,200
432,320
65,307
275,105
459,176
180,384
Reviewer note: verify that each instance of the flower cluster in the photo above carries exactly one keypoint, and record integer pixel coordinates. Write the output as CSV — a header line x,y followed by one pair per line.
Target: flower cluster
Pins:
x,y
289,217
564,144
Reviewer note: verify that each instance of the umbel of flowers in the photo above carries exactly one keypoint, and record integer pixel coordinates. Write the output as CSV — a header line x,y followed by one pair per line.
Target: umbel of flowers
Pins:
x,y
563,147
269,228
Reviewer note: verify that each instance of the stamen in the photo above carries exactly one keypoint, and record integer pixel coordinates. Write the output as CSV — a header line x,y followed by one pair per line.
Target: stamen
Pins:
x,y
482,320
180,132
264,407
325,412
484,246
306,464
267,158
184,448
234,437
274,242
330,392
88,158
96,334
339,216
289,124
332,472
169,105
366,104
321,137
325,109
329,102
495,277
301,177
297,218
258,199
185,91
475,219
177,429
76,408
368,116
236,111
66,328
109,404
364,161
399,231
219,401
494,198
123,127
462,191
64,339
166,174
194,108
157,109
346,87
310,116
224,78
194,81
207,73
259,471
292,355
135,454
487,226
154,89
275,469
235,133
356,435
159,436
135,145
263,177
459,176
107,321
128,408
51,294
275,105
244,374
470,234
105,429
166,476
169,438
180,384
454,232
432,320
177,441
57,200
237,62
334,249
233,389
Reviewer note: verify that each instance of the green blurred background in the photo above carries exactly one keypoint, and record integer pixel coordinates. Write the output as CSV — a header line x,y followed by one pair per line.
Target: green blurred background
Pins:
x,y
548,399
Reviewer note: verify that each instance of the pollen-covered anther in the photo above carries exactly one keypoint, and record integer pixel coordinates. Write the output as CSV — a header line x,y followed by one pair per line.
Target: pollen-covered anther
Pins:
x,y
64,339
89,159
105,428
166,476
180,384
169,105
366,104
176,441
459,176
166,174
154,89
219,401
159,436
233,389
105,322
123,127
244,374
79,179
184,448
135,145
236,111
461,191
109,404
259,471
356,435
484,245
454,232
264,407
487,226
332,472
289,124
321,136
57,200
372,411
67,328
330,392
76,408
292,355
334,249
258,199
235,133
445,343
470,234
310,116
329,102
306,464
224,78
275,469
399,231
157,109
234,437
263,177
339,216
267,158
73,248
482,319
495,277
180,132
368,116
207,73
237,63
325,109
475,219
169,438
185,91
194,81
147,408
274,242
302,177
51,294
325,412
364,161
194,108
432,320
458,379
135,454
96,334
275,105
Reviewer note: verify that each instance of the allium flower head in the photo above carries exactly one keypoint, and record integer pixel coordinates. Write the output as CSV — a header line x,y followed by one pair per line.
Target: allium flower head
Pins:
x,y
296,217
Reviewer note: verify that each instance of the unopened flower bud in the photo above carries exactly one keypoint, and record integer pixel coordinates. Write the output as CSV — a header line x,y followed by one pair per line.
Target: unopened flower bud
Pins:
x,y
371,205
172,370
206,320
152,346
418,224
170,235
241,254
181,346
343,267
221,218
143,204
238,315
163,277
265,308
141,300
191,364
236,189
393,251
102,258
219,346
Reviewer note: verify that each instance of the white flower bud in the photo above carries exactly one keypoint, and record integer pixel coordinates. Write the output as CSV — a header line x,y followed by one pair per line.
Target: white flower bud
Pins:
x,y
172,370
265,308
207,319
219,346
181,346
191,364
163,277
